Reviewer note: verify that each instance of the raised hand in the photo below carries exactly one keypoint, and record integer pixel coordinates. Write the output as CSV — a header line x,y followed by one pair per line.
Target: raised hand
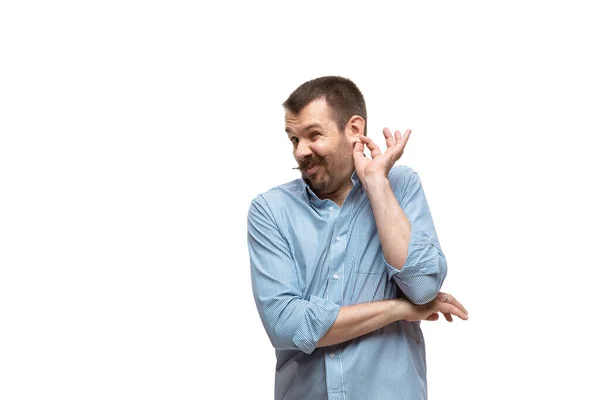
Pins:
x,y
379,165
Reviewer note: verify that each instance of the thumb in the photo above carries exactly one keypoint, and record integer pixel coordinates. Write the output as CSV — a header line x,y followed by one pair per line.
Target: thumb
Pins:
x,y
432,317
357,153
358,147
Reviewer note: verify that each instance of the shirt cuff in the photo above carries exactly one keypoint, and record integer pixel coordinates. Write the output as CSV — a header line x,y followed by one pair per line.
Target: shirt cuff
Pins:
x,y
318,318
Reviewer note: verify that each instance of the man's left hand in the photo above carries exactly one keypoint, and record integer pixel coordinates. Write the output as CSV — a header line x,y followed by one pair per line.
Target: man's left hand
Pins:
x,y
379,165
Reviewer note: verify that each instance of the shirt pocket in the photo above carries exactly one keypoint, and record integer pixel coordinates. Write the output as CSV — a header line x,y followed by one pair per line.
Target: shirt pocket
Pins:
x,y
366,287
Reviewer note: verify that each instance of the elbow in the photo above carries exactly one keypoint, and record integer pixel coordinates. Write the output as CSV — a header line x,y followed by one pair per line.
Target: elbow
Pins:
x,y
278,321
424,296
282,326
424,288
299,325
284,339
280,337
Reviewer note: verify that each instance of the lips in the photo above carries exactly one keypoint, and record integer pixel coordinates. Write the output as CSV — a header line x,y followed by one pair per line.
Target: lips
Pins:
x,y
311,169
310,166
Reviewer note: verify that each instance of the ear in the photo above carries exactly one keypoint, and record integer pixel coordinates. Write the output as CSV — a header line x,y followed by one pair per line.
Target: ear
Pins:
x,y
355,127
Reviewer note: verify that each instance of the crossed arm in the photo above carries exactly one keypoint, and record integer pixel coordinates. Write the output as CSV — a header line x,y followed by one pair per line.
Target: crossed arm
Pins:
x,y
413,260
293,322
359,319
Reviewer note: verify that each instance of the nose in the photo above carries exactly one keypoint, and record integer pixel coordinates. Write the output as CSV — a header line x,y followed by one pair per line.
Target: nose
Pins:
x,y
303,150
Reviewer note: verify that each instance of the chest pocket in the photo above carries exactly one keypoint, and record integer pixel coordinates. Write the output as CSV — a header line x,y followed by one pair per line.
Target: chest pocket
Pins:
x,y
368,256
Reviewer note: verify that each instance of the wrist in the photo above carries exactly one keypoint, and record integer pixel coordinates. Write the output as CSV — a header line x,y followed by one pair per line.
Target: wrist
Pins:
x,y
374,184
399,309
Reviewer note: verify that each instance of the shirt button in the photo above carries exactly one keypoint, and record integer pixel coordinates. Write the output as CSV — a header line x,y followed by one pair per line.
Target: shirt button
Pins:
x,y
335,276
337,238
331,355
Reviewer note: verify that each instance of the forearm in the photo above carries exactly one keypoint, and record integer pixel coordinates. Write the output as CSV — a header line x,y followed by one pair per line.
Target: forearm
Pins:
x,y
393,226
359,319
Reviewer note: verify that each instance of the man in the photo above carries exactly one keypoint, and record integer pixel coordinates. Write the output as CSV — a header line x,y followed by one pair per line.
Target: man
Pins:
x,y
345,262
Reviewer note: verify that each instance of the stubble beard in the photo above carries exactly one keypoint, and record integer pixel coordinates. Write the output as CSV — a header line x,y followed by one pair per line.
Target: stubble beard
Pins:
x,y
328,183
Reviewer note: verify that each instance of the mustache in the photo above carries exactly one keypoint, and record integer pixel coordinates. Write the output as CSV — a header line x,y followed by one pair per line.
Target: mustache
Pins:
x,y
309,163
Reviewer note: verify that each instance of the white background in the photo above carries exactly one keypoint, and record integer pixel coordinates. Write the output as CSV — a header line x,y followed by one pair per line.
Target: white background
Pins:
x,y
135,134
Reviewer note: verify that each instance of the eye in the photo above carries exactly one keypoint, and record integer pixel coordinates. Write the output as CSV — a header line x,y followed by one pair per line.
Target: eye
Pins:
x,y
294,140
315,135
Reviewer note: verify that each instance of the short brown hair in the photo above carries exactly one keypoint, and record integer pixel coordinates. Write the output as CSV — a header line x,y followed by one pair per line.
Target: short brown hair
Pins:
x,y
342,95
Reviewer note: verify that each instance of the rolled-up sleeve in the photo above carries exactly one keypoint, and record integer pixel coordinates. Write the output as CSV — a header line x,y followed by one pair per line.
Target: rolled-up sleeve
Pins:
x,y
421,277
291,322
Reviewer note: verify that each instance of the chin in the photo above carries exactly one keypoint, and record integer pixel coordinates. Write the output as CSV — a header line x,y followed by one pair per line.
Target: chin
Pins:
x,y
315,186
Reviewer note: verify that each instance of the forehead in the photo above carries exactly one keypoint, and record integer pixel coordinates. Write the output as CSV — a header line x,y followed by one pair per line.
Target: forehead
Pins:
x,y
316,112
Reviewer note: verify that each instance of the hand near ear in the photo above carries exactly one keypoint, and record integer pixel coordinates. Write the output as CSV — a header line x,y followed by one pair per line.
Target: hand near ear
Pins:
x,y
379,164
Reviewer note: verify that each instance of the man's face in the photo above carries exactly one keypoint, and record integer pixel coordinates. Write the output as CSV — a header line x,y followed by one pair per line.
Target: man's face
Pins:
x,y
323,153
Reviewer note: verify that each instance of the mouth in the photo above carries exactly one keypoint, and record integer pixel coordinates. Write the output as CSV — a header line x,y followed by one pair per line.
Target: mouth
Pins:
x,y
311,170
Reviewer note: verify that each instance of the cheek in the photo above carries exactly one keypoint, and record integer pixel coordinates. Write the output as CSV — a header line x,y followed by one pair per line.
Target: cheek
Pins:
x,y
319,148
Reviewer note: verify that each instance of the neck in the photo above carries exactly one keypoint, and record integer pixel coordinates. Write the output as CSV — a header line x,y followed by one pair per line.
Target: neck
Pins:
x,y
338,196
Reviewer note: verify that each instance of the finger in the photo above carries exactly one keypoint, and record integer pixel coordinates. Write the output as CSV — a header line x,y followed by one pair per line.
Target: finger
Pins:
x,y
452,309
358,148
453,300
448,298
432,317
398,149
443,297
373,148
448,317
389,139
401,140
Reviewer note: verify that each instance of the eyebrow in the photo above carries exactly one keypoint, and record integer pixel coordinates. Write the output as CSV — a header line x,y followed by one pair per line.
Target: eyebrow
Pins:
x,y
311,126
307,127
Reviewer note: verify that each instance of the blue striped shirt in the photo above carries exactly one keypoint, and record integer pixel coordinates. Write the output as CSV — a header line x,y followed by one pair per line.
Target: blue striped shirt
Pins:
x,y
309,257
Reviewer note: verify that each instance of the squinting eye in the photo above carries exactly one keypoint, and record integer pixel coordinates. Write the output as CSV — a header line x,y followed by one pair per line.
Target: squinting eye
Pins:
x,y
294,140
